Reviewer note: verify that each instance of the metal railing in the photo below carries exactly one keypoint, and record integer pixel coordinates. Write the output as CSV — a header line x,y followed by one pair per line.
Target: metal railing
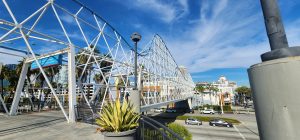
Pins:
x,y
86,114
150,129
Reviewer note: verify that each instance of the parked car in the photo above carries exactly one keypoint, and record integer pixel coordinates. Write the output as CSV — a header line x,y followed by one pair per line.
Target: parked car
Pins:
x,y
158,110
208,111
219,122
193,121
171,110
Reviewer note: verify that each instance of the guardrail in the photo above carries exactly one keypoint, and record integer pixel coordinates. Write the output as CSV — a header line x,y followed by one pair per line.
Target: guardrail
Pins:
x,y
150,129
85,114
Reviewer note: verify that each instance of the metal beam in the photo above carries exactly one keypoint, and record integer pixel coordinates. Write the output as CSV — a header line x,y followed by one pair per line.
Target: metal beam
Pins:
x,y
157,105
15,103
62,51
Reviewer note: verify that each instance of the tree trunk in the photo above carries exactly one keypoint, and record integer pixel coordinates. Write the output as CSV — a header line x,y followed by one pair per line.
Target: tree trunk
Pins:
x,y
210,98
202,99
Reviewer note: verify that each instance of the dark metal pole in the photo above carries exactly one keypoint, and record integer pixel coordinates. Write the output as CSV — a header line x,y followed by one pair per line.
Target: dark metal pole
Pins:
x,y
135,65
274,25
276,34
135,37
135,94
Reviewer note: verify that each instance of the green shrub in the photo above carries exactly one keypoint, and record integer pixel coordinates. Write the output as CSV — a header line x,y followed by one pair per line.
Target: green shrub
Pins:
x,y
227,108
214,107
180,130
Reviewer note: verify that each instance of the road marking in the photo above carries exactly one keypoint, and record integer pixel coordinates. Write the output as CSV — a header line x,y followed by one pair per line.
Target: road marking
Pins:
x,y
249,129
237,130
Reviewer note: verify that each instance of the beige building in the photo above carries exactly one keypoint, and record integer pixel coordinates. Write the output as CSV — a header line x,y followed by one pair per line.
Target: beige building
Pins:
x,y
226,90
224,95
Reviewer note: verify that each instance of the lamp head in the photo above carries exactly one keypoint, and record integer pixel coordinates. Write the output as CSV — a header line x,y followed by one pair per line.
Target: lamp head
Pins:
x,y
135,37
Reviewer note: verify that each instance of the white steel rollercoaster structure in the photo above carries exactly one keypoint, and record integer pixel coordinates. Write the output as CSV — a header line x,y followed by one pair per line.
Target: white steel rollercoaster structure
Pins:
x,y
92,49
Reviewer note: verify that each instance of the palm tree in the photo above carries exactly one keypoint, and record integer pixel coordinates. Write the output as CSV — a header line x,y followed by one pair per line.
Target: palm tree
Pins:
x,y
98,78
200,89
11,76
212,89
243,91
83,59
51,72
1,78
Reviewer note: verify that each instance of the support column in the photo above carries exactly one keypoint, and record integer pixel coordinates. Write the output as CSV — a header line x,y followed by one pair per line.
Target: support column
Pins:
x,y
135,94
275,88
71,84
15,103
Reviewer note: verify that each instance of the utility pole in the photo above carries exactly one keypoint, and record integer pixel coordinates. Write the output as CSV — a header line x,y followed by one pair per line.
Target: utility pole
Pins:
x,y
135,94
275,82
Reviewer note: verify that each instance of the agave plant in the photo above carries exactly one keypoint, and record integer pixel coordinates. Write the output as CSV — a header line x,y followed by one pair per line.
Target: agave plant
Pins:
x,y
118,117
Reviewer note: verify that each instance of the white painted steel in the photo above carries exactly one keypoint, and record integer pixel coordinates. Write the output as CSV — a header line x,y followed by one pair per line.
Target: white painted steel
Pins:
x,y
15,103
162,80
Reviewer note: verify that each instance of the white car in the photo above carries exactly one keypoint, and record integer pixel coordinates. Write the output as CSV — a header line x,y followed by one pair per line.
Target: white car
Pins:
x,y
208,111
192,121
158,110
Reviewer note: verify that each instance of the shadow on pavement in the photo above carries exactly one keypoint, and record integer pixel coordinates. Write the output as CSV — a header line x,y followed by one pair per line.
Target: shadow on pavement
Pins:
x,y
166,118
30,126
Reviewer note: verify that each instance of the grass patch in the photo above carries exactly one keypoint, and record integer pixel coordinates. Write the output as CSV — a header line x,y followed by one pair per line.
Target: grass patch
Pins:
x,y
207,119
180,130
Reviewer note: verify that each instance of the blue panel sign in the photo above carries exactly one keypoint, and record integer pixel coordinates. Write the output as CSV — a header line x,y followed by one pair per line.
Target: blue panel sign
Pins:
x,y
47,62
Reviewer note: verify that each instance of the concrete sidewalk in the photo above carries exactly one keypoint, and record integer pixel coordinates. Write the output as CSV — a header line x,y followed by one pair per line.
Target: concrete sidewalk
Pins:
x,y
45,126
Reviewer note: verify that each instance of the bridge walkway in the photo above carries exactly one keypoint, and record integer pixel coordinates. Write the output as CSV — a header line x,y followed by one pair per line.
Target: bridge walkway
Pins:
x,y
45,125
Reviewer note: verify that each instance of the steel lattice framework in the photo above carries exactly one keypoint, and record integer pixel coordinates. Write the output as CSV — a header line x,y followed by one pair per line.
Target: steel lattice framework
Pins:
x,y
91,49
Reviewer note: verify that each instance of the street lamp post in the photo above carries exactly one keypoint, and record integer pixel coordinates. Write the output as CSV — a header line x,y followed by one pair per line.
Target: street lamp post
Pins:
x,y
135,96
135,37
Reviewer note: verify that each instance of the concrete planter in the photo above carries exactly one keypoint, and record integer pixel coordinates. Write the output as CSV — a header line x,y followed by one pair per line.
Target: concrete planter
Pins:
x,y
126,135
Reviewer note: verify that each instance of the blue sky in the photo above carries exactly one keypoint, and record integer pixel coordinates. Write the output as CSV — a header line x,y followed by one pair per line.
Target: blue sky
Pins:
x,y
210,37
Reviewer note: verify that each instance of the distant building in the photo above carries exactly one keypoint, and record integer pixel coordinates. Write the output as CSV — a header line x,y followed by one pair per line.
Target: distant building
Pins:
x,y
62,76
11,66
226,91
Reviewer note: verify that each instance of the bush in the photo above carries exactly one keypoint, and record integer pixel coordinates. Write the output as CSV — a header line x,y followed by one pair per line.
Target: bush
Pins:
x,y
180,130
227,108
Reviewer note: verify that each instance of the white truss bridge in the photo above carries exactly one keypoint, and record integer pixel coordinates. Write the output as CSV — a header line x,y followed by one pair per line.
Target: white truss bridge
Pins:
x,y
94,53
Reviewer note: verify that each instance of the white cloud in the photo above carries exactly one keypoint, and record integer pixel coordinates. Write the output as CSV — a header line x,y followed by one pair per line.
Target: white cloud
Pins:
x,y
67,18
10,57
166,12
293,33
229,34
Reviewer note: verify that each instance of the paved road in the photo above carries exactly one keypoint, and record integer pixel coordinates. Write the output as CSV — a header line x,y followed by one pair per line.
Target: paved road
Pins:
x,y
206,132
247,130
45,126
248,121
